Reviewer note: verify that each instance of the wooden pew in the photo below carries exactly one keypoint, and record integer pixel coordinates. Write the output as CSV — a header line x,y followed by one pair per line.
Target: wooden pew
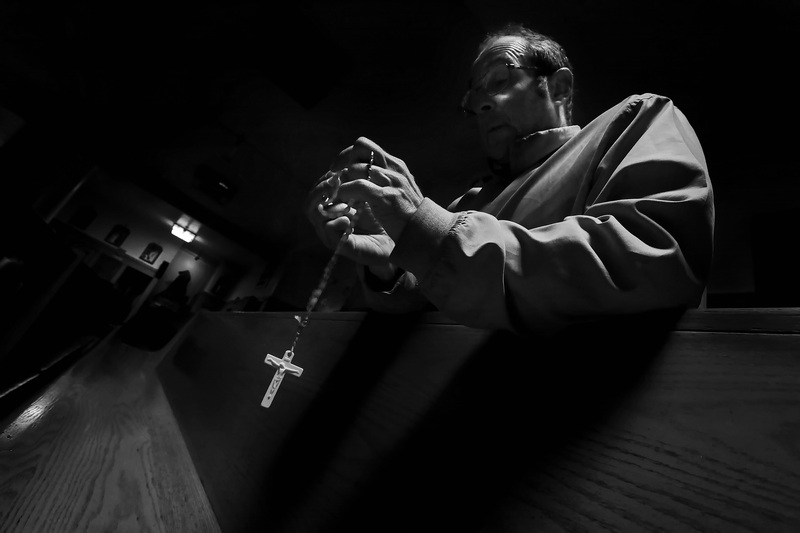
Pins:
x,y
413,423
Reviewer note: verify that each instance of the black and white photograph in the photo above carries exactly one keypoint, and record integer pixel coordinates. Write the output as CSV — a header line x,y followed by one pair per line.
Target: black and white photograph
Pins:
x,y
399,266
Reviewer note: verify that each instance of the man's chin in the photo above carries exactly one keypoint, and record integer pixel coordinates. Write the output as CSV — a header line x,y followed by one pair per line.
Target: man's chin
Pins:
x,y
497,152
497,143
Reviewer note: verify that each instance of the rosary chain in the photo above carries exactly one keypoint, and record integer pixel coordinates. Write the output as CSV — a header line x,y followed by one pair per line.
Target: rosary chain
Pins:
x,y
302,321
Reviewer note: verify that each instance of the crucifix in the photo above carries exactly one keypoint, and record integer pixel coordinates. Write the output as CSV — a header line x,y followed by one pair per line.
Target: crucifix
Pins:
x,y
285,364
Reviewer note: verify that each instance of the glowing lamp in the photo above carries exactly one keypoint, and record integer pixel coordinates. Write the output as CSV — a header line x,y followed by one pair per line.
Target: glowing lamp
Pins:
x,y
183,233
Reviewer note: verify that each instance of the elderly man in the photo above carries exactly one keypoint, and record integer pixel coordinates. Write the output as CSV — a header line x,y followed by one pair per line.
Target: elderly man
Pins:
x,y
615,218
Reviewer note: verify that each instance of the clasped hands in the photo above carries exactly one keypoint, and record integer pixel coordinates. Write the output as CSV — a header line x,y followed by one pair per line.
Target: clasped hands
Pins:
x,y
384,202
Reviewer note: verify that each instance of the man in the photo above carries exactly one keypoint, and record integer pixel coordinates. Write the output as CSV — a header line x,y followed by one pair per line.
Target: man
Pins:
x,y
616,218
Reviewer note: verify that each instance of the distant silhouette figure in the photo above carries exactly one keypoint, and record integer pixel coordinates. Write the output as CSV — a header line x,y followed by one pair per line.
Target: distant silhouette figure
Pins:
x,y
155,324
176,292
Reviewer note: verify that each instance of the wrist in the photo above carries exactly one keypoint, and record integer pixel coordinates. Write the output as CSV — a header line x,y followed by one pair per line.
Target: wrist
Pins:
x,y
381,278
383,272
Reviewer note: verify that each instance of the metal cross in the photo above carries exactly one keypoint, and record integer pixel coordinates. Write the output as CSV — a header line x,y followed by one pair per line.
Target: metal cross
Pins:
x,y
283,365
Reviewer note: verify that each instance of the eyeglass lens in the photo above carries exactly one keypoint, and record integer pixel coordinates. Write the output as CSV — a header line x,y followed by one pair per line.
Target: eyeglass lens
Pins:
x,y
491,83
495,80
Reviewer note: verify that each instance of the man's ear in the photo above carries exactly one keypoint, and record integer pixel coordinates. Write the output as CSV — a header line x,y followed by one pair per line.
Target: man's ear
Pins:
x,y
560,84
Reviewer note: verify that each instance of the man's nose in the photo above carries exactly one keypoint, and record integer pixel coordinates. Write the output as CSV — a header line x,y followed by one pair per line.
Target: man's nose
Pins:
x,y
482,102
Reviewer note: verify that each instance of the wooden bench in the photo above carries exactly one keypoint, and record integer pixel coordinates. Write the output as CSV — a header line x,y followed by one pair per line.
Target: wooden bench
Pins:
x,y
413,423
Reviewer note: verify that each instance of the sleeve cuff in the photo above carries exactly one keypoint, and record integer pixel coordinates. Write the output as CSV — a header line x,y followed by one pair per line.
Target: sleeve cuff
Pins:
x,y
418,247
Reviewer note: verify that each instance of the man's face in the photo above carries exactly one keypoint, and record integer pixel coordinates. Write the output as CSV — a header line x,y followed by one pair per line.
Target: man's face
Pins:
x,y
517,109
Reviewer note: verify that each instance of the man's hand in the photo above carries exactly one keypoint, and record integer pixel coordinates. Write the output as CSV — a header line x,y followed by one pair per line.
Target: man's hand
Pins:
x,y
389,189
381,203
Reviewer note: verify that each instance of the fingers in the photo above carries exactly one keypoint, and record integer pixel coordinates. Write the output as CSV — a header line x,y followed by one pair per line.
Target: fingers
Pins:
x,y
333,211
332,220
331,214
359,152
356,189
365,150
323,196
323,192
336,227
330,233
323,204
366,172
328,186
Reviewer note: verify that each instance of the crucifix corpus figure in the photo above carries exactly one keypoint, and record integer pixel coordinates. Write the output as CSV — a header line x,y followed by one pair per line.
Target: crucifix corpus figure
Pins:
x,y
283,366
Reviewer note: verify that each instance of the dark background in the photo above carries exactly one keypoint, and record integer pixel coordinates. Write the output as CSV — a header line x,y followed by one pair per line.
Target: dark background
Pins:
x,y
175,97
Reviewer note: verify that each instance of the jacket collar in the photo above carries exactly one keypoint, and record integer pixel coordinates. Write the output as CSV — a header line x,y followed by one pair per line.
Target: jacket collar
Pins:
x,y
530,151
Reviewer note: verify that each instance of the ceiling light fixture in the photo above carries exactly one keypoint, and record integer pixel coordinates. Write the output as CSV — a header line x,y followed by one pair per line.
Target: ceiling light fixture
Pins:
x,y
183,233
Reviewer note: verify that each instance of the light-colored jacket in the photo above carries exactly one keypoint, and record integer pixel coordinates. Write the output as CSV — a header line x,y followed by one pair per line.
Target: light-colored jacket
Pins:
x,y
610,219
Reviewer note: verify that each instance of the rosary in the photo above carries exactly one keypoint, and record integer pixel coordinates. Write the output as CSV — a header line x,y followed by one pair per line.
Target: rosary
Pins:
x,y
284,365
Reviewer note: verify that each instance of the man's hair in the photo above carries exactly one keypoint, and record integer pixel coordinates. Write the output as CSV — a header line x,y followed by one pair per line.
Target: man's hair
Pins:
x,y
542,52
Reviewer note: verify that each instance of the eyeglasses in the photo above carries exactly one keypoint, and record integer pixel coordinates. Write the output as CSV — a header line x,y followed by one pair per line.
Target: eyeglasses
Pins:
x,y
491,83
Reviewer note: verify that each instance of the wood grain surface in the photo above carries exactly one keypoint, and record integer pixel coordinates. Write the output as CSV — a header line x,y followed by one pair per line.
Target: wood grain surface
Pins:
x,y
99,451
428,426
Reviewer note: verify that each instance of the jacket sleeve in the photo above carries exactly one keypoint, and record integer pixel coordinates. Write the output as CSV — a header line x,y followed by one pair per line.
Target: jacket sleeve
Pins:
x,y
638,238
